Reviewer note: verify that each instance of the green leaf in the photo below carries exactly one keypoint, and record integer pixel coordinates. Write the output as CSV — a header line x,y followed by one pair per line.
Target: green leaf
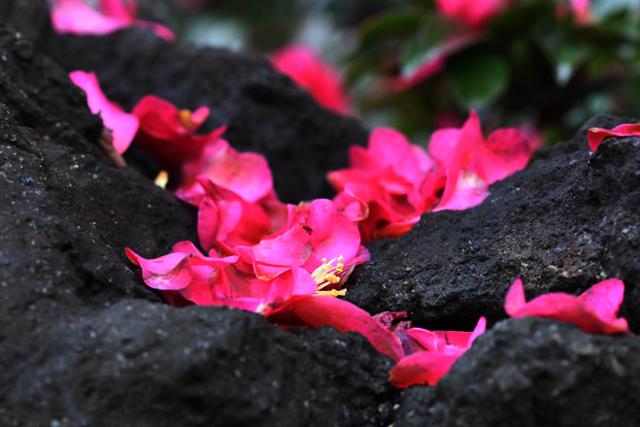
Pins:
x,y
390,25
425,46
478,78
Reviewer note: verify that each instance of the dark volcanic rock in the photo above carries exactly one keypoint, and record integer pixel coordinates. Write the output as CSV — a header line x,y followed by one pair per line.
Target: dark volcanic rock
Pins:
x,y
566,222
84,343
532,373
29,17
143,364
265,111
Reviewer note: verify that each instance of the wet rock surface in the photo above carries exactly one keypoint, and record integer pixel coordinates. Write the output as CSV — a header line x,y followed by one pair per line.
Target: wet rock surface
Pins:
x,y
264,110
566,222
531,372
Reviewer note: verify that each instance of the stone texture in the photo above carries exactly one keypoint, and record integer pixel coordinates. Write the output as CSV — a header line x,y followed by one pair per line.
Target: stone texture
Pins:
x,y
566,222
531,373
264,110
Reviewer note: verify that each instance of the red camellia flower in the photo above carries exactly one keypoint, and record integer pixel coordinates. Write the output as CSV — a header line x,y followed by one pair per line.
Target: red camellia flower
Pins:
x,y
77,17
385,185
123,126
392,183
432,354
594,311
473,13
310,72
470,163
169,133
597,135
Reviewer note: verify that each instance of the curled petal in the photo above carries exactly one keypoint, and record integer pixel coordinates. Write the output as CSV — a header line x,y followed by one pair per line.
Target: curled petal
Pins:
x,y
597,135
595,311
341,315
423,367
123,125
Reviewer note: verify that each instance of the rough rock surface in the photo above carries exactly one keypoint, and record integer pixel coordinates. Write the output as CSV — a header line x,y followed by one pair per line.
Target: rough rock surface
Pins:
x,y
566,222
84,343
264,110
531,373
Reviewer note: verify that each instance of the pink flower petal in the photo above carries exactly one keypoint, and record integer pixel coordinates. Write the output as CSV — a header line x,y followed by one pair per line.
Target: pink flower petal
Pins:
x,y
308,71
604,298
423,367
272,257
246,174
77,17
594,311
597,135
315,311
123,126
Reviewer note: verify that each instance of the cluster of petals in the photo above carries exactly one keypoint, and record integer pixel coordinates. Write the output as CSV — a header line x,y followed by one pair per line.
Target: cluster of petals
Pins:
x,y
392,183
123,126
597,135
594,311
170,134
286,262
427,355
311,73
78,17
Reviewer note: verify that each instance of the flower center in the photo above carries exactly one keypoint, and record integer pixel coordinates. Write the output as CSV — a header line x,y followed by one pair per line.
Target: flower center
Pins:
x,y
329,274
162,179
186,118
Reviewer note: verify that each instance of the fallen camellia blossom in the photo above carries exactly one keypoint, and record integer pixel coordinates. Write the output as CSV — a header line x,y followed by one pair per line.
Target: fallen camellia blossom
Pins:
x,y
594,311
470,163
313,254
392,183
246,174
310,72
472,13
77,17
122,125
597,135
384,186
169,133
431,354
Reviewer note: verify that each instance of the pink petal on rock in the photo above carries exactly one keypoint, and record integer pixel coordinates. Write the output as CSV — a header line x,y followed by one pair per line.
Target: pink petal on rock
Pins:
x,y
604,298
597,135
423,367
315,311
123,125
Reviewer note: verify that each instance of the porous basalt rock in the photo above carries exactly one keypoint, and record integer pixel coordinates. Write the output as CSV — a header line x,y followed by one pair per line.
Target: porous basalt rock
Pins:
x,y
566,222
153,365
265,111
530,373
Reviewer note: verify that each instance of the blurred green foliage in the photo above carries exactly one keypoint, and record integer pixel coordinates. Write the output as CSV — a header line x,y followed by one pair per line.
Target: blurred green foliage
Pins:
x,y
529,64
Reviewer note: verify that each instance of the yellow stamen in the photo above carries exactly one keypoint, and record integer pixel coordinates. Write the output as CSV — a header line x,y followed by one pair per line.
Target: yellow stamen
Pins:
x,y
329,274
186,118
162,179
